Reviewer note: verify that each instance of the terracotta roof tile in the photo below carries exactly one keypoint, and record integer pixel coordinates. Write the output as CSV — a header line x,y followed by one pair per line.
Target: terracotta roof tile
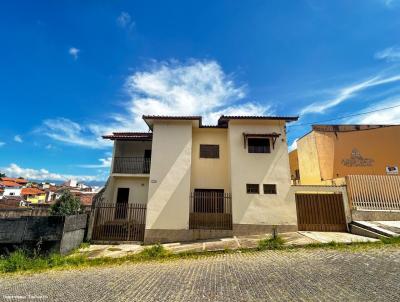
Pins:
x,y
31,191
7,183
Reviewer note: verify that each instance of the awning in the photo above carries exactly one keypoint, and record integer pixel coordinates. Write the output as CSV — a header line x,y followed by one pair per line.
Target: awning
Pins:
x,y
273,136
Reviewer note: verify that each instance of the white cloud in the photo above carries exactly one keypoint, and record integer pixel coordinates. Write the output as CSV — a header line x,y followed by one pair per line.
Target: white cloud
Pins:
x,y
346,93
2,144
390,116
74,52
104,163
18,139
124,20
389,3
13,170
390,54
172,88
293,146
69,132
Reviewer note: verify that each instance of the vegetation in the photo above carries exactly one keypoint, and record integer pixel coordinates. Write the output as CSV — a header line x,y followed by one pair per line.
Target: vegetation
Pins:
x,y
66,205
273,243
20,260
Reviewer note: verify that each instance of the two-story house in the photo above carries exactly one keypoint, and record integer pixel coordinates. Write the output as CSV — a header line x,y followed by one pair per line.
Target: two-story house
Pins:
x,y
196,181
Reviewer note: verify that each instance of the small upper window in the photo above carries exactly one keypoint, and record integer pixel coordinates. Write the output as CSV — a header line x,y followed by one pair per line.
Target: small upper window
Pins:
x,y
258,145
252,189
269,189
209,151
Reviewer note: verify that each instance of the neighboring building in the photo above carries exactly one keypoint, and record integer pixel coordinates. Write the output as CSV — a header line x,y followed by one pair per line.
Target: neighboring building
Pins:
x,y
294,167
187,173
10,188
19,180
33,195
330,152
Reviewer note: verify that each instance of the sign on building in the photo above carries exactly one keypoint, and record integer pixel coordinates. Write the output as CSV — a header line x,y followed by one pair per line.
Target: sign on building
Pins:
x,y
392,170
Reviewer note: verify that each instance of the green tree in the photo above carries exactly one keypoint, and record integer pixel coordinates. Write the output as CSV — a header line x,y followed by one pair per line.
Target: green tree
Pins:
x,y
2,175
67,204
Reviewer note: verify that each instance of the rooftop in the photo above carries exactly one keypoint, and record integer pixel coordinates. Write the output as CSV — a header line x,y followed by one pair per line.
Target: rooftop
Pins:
x,y
31,191
7,183
222,123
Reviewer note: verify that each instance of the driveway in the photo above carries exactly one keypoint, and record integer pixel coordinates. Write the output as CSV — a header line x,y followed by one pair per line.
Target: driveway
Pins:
x,y
294,275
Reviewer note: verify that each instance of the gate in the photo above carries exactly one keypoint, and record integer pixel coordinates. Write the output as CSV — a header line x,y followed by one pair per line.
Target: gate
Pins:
x,y
320,212
210,210
119,222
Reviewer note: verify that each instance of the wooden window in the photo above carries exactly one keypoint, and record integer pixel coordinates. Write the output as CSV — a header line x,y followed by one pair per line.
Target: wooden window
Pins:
x,y
209,151
252,189
258,145
269,189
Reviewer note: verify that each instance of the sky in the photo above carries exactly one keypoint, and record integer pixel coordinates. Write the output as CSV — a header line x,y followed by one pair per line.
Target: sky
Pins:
x,y
71,71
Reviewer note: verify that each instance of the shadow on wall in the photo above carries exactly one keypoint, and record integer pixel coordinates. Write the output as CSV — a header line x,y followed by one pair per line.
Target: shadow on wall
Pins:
x,y
270,209
165,201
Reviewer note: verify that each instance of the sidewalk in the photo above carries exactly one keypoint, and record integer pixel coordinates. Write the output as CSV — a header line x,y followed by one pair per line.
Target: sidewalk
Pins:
x,y
291,239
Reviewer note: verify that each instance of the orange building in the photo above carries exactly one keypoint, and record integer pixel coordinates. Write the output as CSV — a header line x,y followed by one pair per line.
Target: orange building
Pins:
x,y
330,152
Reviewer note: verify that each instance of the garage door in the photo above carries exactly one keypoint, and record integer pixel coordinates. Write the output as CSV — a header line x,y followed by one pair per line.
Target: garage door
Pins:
x,y
320,212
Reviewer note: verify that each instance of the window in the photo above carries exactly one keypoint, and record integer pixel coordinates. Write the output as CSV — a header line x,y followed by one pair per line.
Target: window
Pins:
x,y
209,151
269,189
258,145
252,189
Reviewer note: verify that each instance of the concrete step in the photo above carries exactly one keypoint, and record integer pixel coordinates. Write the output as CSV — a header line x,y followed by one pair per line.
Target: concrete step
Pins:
x,y
374,229
357,230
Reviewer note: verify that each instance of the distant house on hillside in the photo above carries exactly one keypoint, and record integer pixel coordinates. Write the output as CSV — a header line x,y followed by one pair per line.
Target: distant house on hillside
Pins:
x,y
33,195
10,188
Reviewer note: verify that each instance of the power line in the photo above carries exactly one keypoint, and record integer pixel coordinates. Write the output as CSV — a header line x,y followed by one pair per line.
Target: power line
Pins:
x,y
343,116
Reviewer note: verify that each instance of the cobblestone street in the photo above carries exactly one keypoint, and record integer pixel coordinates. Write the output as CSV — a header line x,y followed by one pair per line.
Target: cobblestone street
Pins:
x,y
299,275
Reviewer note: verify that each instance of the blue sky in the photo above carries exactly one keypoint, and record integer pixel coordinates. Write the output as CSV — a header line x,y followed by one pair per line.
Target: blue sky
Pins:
x,y
73,70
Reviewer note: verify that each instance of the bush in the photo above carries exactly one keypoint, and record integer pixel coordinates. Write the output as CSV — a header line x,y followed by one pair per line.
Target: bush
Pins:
x,y
156,251
271,243
66,205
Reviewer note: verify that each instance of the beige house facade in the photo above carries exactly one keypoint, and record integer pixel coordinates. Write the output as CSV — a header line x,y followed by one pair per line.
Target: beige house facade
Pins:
x,y
201,181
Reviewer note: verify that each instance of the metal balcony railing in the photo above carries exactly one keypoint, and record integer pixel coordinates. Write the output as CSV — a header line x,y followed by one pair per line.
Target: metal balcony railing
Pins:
x,y
132,165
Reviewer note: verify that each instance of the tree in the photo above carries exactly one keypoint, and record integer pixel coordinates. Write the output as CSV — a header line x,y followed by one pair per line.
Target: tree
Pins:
x,y
2,175
66,205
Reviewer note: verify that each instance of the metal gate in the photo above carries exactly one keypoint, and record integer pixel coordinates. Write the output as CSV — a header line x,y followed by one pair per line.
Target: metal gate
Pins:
x,y
119,222
210,210
320,212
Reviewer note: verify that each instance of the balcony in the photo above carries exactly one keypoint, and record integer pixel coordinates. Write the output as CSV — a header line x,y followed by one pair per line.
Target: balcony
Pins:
x,y
132,165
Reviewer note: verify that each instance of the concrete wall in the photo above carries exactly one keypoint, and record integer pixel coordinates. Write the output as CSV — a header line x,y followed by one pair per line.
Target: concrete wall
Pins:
x,y
210,173
59,233
131,148
294,163
260,168
308,160
138,188
169,188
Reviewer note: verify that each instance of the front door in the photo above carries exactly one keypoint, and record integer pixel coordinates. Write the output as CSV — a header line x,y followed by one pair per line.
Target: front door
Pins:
x,y
122,203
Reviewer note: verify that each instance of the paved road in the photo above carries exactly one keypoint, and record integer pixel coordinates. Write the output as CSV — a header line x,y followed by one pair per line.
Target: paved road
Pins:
x,y
300,275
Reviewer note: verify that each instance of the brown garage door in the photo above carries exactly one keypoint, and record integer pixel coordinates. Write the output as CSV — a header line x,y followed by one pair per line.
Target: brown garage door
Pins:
x,y
320,212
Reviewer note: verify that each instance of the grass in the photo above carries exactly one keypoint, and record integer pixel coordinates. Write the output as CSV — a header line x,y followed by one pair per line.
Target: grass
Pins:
x,y
19,261
271,244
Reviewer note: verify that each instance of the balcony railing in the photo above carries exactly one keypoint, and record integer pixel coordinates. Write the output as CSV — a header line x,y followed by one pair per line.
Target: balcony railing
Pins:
x,y
210,210
132,165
